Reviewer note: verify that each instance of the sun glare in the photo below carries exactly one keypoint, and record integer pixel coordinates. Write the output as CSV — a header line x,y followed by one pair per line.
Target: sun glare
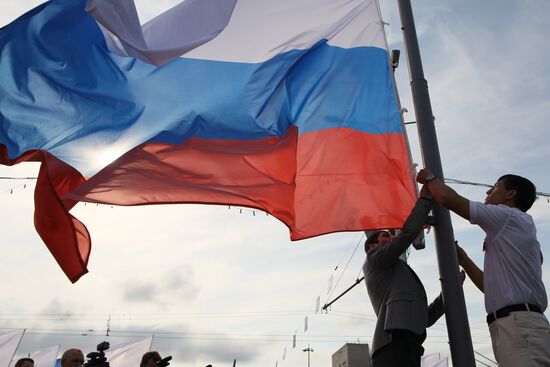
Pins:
x,y
107,156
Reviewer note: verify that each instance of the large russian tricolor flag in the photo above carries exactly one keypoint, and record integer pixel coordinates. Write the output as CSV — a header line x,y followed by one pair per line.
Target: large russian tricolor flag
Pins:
x,y
287,106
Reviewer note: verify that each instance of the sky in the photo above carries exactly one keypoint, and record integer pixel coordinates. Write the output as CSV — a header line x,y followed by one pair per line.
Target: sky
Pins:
x,y
213,283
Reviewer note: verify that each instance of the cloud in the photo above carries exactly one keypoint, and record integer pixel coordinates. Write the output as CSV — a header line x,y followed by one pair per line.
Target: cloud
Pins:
x,y
487,98
56,307
141,292
176,284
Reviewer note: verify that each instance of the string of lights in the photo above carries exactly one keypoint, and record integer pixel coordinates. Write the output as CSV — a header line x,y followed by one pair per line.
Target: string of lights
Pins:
x,y
461,182
451,181
204,336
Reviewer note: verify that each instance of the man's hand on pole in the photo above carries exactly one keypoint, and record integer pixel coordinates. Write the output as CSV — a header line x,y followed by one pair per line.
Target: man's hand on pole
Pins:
x,y
421,177
461,254
462,275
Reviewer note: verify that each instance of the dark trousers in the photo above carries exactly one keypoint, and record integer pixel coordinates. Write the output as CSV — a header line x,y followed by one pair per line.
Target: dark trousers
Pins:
x,y
404,350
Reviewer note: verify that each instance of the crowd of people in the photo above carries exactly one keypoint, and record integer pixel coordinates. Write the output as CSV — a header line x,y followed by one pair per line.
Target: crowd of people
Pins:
x,y
515,296
75,358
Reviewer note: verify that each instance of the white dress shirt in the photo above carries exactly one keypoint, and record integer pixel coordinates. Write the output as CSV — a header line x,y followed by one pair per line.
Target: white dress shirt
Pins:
x,y
513,260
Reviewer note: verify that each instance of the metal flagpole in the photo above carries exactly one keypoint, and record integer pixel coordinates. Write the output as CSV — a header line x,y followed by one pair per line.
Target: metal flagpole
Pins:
x,y
455,308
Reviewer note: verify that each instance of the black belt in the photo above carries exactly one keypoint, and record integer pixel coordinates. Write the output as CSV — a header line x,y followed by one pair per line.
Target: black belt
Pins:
x,y
505,311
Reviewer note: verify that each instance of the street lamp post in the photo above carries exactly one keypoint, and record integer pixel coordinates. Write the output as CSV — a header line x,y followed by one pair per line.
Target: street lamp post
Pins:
x,y
308,350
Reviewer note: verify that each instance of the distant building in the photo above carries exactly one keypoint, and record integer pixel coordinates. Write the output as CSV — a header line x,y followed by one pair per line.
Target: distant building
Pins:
x,y
352,355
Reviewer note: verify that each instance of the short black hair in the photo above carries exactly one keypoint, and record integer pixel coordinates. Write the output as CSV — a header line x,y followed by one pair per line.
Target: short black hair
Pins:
x,y
20,362
153,355
373,238
526,192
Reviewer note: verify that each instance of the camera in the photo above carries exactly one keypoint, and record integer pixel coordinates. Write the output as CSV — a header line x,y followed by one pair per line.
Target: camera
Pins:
x,y
98,359
164,362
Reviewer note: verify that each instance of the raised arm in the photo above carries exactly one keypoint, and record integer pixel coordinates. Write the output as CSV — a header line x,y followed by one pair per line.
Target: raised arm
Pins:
x,y
444,195
387,255
474,273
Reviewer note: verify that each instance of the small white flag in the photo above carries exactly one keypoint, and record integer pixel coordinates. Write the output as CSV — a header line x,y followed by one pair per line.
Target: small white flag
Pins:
x,y
317,304
8,345
128,354
46,357
284,354
305,324
429,360
442,363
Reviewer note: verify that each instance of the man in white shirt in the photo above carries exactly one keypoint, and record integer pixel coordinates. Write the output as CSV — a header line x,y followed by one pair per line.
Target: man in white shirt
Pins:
x,y
515,297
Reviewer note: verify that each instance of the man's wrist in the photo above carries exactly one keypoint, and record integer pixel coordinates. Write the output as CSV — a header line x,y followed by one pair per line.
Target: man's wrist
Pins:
x,y
429,178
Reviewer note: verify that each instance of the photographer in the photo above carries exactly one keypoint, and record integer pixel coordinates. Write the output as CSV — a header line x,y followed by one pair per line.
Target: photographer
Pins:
x,y
98,359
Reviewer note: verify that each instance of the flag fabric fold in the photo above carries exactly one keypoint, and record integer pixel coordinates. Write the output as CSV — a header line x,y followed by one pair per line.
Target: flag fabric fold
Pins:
x,y
288,107
65,236
194,21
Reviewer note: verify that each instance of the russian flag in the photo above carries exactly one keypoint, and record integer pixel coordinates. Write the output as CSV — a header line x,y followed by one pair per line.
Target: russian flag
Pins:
x,y
286,106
